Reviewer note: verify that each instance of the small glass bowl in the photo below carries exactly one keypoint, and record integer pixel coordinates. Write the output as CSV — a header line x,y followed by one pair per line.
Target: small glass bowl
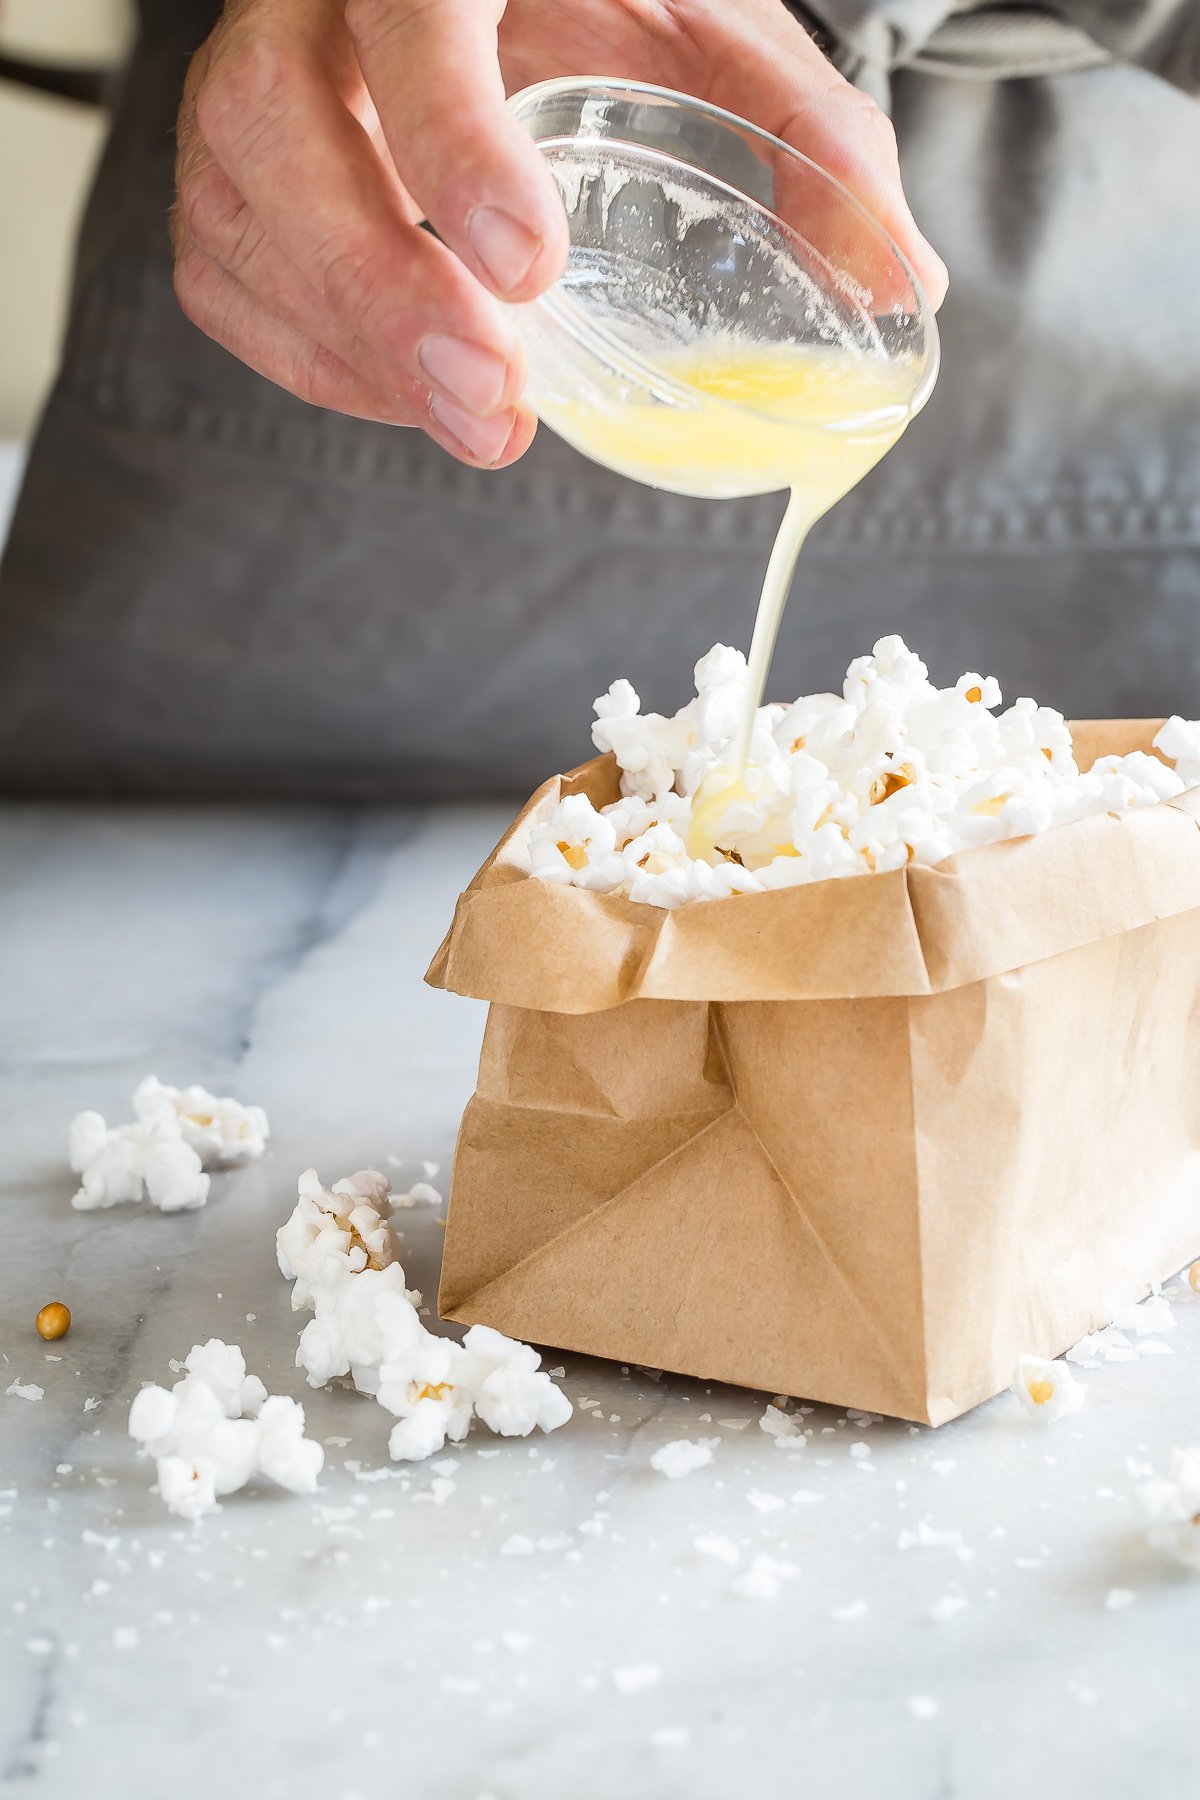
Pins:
x,y
690,226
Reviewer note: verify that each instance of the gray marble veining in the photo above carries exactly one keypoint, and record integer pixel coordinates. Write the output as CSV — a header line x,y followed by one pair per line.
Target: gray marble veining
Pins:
x,y
388,1638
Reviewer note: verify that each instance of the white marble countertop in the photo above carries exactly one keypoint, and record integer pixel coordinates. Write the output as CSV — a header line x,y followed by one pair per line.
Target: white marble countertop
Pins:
x,y
379,1640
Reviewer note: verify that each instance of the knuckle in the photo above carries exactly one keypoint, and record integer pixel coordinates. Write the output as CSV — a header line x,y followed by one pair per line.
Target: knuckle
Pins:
x,y
354,279
250,83
316,375
218,219
190,290
870,118
201,202
370,20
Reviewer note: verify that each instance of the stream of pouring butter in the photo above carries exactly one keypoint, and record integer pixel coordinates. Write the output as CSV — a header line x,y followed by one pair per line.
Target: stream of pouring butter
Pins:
x,y
810,419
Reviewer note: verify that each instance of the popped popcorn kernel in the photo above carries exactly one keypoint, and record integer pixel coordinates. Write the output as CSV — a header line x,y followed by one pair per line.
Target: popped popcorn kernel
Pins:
x,y
340,1251
1172,1509
1046,1389
218,1428
161,1156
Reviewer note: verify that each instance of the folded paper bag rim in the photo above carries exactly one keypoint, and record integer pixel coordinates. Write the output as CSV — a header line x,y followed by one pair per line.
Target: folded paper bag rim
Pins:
x,y
925,929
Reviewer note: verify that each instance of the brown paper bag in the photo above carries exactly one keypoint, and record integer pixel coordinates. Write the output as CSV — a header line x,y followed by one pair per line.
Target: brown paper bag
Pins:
x,y
864,1141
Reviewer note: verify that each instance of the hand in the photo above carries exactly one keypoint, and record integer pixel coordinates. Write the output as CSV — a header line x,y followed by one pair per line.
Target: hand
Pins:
x,y
315,135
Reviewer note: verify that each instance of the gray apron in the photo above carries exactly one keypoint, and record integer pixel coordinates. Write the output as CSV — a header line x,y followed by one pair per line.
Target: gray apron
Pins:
x,y
211,589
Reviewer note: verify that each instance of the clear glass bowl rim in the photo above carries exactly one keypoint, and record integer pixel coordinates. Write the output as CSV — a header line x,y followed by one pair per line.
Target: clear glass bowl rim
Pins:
x,y
607,349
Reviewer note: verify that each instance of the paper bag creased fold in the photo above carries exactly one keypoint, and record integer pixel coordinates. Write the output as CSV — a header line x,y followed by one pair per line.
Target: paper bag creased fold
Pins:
x,y
865,1141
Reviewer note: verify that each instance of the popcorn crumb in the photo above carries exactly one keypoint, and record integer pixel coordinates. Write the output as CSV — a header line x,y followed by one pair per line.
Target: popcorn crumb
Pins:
x,y
419,1194
634,1678
216,1429
763,1579
922,1706
786,1430
1117,1599
947,1608
682,1456
1149,1317
1046,1389
928,1537
857,1609
25,1390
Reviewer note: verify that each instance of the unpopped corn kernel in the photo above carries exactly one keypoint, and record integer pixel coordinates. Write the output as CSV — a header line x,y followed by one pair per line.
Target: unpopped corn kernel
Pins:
x,y
53,1321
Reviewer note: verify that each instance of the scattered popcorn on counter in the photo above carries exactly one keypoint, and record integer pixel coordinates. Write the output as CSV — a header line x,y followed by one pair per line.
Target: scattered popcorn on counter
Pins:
x,y
217,1428
1172,1509
161,1156
221,1130
893,771
340,1250
683,1456
787,1431
419,1194
511,1392
25,1390
133,1162
334,1231
1047,1389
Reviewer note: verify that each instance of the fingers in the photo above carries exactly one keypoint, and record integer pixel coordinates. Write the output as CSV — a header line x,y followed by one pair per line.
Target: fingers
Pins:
x,y
282,189
227,312
797,95
275,348
432,69
308,172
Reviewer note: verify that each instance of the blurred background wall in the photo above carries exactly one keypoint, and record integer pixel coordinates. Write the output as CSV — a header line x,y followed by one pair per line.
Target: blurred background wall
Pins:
x,y
48,149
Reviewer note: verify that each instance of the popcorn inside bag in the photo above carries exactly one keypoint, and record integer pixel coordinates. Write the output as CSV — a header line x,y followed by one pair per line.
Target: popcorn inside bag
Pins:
x,y
891,771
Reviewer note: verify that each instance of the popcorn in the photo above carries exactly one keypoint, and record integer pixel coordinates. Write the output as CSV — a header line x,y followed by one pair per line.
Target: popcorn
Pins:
x,y
585,851
131,1163
1172,1509
161,1155
343,1229
1180,740
339,1249
359,1316
892,771
221,1130
218,1428
1047,1390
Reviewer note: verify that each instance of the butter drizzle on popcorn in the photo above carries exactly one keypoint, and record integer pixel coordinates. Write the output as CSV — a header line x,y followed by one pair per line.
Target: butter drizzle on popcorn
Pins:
x,y
891,772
